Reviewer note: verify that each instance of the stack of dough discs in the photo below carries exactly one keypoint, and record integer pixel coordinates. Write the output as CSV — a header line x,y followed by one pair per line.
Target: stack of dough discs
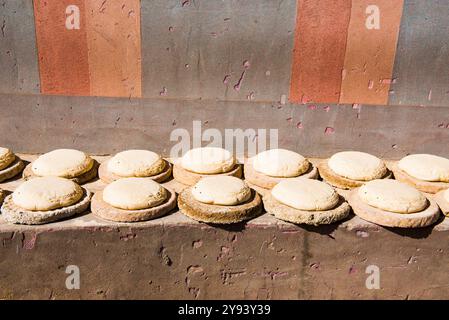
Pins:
x,y
10,164
220,200
65,163
306,201
270,167
133,200
135,163
203,162
392,203
351,169
426,172
45,199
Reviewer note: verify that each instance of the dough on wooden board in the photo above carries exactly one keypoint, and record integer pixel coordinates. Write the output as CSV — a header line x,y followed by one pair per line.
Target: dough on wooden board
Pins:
x,y
46,193
221,190
134,193
280,163
306,194
66,163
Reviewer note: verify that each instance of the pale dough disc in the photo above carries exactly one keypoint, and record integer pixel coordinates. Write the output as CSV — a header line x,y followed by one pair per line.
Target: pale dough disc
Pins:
x,y
306,194
66,163
393,196
136,163
6,157
446,195
134,193
426,167
46,193
217,214
208,160
422,218
280,163
442,199
221,190
357,165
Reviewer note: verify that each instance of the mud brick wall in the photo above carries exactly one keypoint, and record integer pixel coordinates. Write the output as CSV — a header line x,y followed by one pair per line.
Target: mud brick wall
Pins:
x,y
380,52
176,258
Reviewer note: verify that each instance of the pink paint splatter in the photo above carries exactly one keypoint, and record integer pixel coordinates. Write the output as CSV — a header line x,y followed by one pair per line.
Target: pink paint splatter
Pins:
x,y
289,119
299,125
312,107
304,99
329,130
326,108
29,241
226,79
238,85
163,92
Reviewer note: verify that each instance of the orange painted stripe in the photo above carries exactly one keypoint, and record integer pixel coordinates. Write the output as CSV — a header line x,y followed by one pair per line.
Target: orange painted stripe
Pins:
x,y
370,53
319,50
114,45
63,61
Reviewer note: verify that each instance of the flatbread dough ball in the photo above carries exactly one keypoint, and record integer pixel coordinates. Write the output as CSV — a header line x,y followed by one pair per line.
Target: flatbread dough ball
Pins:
x,y
392,195
221,190
357,165
306,194
6,157
208,160
280,163
134,193
66,163
426,167
136,163
47,193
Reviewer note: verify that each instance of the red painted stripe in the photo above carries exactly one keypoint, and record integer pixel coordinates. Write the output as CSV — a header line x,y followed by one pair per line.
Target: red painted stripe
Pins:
x,y
370,53
319,50
63,60
114,47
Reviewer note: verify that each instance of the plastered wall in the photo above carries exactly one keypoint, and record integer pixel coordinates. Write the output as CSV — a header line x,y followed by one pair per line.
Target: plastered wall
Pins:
x,y
380,52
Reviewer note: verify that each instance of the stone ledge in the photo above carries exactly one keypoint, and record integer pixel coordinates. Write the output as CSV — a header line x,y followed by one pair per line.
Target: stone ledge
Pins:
x,y
174,257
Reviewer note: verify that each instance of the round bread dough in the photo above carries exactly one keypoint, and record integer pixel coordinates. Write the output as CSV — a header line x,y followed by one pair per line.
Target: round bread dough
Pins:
x,y
446,195
426,167
306,194
208,160
6,158
66,163
136,163
134,193
357,165
221,190
392,195
280,163
47,193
